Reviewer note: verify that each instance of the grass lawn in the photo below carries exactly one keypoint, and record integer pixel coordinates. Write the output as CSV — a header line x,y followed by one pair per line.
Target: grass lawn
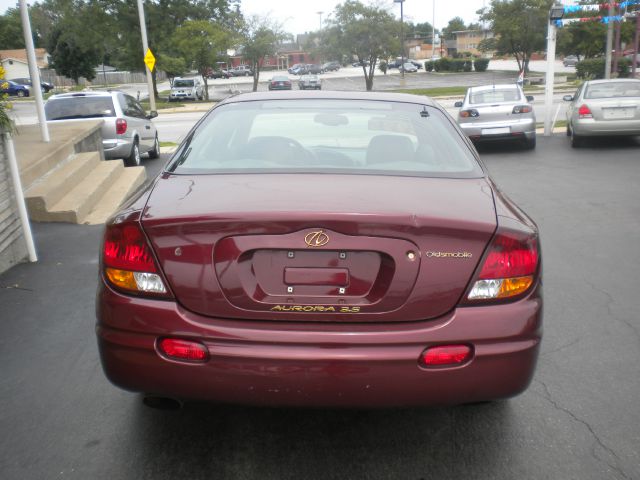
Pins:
x,y
434,92
168,144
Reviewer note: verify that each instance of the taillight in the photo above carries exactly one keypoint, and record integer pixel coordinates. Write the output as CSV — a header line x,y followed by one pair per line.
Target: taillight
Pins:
x,y
178,349
584,112
121,126
522,109
469,113
128,262
508,269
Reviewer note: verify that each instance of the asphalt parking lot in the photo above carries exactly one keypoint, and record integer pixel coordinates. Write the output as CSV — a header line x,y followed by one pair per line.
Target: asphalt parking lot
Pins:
x,y
579,419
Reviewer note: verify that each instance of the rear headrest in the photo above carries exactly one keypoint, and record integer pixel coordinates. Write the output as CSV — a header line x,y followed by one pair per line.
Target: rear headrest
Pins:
x,y
387,148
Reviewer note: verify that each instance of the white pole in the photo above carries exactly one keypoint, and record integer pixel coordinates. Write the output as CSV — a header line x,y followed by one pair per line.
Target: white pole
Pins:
x,y
433,31
17,190
609,46
34,73
145,47
549,79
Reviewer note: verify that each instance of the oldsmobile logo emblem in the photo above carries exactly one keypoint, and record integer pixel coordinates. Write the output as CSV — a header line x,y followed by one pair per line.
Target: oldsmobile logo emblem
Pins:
x,y
316,239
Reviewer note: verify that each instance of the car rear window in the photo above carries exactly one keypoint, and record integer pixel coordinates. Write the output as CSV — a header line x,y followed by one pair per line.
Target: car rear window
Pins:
x,y
183,83
612,89
321,135
496,95
78,107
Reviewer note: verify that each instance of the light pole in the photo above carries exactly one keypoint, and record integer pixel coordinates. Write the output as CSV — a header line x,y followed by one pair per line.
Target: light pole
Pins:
x,y
433,31
401,2
320,15
556,13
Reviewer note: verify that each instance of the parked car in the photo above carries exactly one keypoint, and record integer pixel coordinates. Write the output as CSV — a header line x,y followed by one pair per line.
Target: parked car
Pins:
x,y
218,73
314,69
304,250
295,66
408,67
331,66
360,64
418,65
46,86
241,71
498,112
298,70
310,81
397,63
280,82
11,88
603,108
570,61
186,89
127,130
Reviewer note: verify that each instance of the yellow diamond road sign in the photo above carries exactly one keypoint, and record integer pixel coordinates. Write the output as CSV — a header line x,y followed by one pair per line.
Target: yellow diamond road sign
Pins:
x,y
149,60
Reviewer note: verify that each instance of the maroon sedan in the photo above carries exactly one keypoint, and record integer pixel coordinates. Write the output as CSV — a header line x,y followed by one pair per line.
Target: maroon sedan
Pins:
x,y
322,249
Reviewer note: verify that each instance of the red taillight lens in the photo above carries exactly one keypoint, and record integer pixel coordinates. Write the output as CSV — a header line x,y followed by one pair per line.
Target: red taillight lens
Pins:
x,y
445,355
522,109
121,126
469,113
179,349
510,257
509,268
584,112
128,262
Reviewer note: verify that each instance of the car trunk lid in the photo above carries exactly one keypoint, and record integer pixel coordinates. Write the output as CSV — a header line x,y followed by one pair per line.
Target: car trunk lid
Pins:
x,y
319,247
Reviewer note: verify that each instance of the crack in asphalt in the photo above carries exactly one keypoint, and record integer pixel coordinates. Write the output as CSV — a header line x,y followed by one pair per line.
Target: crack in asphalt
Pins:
x,y
562,347
547,397
15,287
610,302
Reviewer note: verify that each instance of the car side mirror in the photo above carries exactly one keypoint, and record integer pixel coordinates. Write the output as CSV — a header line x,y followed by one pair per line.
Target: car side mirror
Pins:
x,y
151,115
529,98
457,104
568,98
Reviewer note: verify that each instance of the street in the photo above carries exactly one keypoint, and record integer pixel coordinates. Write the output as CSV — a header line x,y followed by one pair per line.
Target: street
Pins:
x,y
578,420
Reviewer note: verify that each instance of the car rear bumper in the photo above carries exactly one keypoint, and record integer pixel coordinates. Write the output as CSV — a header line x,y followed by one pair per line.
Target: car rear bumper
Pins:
x,y
589,126
488,131
313,364
116,149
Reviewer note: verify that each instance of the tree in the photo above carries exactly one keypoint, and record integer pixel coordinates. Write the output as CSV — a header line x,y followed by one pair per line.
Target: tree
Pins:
x,y
260,38
366,33
11,30
488,45
520,27
71,56
200,43
456,24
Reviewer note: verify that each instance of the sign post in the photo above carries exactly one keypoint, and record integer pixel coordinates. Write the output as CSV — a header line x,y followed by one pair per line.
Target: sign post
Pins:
x,y
149,59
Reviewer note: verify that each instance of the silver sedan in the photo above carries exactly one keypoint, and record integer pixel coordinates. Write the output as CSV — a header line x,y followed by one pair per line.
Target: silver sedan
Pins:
x,y
498,113
603,107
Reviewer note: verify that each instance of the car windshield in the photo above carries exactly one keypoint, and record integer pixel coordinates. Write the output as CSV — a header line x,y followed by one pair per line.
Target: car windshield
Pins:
x,y
612,89
496,95
79,107
327,136
183,83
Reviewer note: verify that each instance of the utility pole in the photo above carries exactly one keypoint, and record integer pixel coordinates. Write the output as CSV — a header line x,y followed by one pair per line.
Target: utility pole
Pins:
x,y
145,48
34,72
556,13
609,47
320,14
433,31
401,2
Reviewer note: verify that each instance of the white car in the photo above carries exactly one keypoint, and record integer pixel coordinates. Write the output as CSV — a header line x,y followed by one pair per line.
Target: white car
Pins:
x,y
310,81
186,89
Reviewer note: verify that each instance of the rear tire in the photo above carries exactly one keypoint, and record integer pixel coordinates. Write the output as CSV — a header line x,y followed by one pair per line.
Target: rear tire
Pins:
x,y
155,151
133,160
530,143
20,93
576,141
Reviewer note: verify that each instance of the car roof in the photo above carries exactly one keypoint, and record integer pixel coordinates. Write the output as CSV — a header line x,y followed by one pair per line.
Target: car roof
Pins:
x,y
108,93
497,86
331,95
612,80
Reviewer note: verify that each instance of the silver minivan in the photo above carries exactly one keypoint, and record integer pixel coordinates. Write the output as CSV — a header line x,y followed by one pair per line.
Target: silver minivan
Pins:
x,y
127,131
186,89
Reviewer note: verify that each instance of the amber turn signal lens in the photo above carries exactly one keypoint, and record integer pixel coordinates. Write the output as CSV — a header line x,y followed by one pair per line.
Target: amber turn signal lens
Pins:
x,y
514,286
121,278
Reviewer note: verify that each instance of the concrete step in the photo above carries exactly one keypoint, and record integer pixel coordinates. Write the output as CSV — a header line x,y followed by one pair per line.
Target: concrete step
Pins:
x,y
128,183
76,205
37,166
50,189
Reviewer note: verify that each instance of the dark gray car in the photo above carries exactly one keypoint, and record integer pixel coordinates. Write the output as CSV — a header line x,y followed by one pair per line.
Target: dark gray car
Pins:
x,y
127,130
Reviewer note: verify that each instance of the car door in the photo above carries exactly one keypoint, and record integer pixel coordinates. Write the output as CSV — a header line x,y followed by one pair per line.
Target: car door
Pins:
x,y
137,117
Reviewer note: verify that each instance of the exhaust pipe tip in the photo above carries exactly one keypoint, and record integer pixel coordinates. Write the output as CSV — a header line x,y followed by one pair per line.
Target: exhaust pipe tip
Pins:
x,y
162,403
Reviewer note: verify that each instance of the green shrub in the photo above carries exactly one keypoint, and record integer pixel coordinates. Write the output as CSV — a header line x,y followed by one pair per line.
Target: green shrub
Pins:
x,y
428,66
624,68
382,66
467,66
480,64
442,65
590,68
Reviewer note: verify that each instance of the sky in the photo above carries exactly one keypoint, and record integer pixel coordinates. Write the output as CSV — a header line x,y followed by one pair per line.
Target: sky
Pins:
x,y
299,16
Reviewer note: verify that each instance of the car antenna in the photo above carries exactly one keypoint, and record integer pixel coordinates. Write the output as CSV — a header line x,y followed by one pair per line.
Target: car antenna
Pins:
x,y
424,113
